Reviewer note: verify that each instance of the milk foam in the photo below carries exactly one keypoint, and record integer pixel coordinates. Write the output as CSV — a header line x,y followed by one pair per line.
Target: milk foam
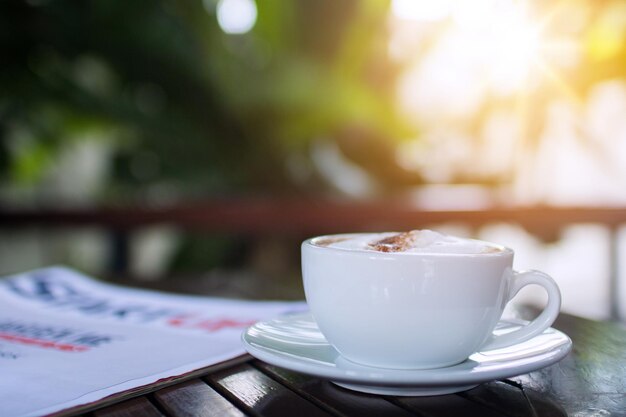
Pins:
x,y
415,241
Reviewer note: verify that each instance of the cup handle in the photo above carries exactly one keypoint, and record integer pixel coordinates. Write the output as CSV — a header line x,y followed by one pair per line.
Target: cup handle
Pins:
x,y
539,324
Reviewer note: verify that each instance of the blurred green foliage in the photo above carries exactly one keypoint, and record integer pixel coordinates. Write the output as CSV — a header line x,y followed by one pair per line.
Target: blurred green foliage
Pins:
x,y
180,102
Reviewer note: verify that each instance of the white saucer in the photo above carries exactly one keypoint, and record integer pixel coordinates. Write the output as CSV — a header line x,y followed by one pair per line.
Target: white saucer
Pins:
x,y
294,342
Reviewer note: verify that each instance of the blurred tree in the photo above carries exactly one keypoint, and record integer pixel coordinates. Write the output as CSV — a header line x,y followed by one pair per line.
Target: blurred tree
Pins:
x,y
186,107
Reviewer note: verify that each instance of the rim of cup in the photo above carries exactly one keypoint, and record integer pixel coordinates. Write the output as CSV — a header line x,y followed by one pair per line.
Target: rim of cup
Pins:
x,y
500,249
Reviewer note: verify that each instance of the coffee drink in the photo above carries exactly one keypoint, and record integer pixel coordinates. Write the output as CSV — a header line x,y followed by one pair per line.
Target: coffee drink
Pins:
x,y
414,241
417,299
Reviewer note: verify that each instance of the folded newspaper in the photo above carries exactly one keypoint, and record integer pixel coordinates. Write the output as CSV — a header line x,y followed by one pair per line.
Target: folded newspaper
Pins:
x,y
68,342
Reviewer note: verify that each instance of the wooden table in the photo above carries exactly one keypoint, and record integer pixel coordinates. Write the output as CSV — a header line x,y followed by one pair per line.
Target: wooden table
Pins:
x,y
590,381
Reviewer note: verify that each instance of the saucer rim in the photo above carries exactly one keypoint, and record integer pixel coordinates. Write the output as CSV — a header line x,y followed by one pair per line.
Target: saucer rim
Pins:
x,y
372,376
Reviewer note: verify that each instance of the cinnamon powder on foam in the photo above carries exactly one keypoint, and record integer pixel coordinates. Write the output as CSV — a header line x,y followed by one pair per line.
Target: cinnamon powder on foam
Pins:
x,y
396,243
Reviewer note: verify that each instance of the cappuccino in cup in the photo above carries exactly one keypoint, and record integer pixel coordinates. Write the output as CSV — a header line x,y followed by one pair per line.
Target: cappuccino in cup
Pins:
x,y
415,241
415,300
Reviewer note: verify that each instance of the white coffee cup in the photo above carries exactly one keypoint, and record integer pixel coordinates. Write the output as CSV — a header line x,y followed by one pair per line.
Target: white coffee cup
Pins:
x,y
413,310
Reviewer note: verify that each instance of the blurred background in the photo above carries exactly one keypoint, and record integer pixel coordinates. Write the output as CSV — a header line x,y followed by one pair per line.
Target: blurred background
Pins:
x,y
173,106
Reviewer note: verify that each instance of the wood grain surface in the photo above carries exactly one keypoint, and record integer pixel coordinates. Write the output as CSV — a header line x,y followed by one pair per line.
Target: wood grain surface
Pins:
x,y
590,381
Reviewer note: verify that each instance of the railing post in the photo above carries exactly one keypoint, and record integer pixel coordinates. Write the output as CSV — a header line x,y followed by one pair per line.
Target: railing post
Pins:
x,y
119,258
614,273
